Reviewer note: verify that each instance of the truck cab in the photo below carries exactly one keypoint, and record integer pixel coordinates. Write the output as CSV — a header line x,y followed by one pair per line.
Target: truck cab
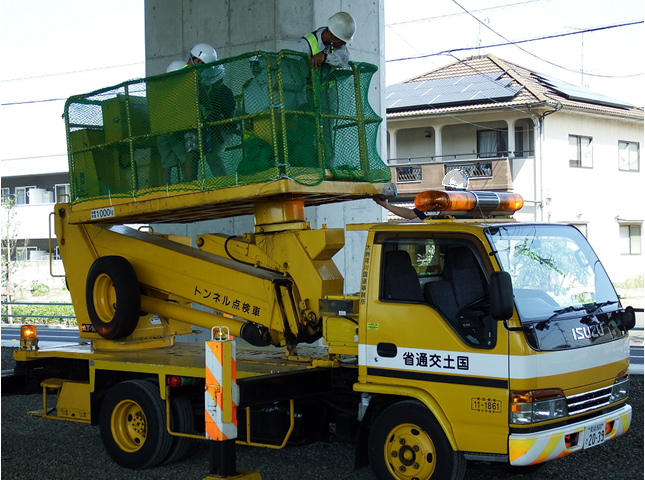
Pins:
x,y
508,335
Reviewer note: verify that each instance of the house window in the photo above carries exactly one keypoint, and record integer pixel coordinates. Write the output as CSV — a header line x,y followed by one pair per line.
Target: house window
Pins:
x,y
24,253
519,141
60,189
629,156
630,239
21,195
491,143
580,152
5,194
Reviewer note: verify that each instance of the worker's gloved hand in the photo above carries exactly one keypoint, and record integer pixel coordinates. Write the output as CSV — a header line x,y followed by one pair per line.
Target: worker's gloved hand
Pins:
x,y
318,59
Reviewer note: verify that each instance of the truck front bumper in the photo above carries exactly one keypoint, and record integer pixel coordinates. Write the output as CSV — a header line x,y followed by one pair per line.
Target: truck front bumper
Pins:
x,y
538,447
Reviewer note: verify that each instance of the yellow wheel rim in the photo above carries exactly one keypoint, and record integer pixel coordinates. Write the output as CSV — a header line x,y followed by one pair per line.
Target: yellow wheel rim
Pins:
x,y
129,426
409,452
104,298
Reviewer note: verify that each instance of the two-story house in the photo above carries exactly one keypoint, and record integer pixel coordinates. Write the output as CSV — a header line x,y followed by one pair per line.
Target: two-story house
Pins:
x,y
572,154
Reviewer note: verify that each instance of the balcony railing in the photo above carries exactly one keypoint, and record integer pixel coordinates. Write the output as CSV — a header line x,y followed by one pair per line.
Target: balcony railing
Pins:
x,y
472,170
459,157
413,175
408,174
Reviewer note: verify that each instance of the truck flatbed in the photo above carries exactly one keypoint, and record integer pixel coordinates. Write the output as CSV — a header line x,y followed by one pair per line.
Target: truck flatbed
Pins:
x,y
183,359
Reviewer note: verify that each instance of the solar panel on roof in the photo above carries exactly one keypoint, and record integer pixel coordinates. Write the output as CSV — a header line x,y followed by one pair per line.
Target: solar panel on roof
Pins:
x,y
581,94
448,91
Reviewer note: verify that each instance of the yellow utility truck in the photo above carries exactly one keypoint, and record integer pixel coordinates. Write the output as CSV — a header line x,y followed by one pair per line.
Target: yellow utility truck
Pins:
x,y
472,337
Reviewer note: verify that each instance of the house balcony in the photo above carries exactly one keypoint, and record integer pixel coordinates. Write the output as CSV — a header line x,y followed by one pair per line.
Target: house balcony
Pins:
x,y
414,175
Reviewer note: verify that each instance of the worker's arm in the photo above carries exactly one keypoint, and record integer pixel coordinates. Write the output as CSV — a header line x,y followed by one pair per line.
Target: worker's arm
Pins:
x,y
338,58
303,46
402,212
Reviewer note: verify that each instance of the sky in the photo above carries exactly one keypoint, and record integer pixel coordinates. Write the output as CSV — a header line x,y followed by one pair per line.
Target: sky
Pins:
x,y
52,49
612,60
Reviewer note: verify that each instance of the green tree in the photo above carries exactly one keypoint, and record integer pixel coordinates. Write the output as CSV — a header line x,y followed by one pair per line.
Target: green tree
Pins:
x,y
9,244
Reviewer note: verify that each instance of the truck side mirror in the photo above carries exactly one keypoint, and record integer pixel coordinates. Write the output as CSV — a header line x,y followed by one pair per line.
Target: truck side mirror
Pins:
x,y
628,317
501,296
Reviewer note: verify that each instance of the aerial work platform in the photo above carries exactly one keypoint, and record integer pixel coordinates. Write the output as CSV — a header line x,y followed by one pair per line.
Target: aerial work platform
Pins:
x,y
209,141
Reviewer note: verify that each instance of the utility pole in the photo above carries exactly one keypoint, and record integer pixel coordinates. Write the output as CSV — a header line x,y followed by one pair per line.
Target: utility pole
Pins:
x,y
582,55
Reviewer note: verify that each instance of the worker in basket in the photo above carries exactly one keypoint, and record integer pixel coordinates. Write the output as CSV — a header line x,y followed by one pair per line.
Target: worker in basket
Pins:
x,y
327,47
329,44
216,103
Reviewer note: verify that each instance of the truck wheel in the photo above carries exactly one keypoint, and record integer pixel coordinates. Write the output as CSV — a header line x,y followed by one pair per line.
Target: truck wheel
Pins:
x,y
182,421
133,425
407,442
112,296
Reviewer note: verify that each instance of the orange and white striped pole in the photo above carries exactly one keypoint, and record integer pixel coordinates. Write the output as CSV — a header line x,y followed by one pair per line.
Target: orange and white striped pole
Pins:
x,y
222,398
222,392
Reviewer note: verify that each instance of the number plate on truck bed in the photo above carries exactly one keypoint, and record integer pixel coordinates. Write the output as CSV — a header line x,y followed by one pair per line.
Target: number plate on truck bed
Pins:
x,y
594,435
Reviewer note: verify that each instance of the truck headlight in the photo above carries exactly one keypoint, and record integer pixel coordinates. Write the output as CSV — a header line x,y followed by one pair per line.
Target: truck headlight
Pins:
x,y
537,406
620,390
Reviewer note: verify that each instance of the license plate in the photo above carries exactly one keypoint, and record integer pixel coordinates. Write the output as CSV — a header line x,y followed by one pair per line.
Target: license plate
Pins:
x,y
594,435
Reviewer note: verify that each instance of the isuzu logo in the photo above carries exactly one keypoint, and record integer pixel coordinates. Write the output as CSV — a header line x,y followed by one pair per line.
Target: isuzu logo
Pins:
x,y
594,331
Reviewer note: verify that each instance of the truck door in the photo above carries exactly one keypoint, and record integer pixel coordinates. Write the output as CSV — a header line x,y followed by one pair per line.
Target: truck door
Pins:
x,y
428,328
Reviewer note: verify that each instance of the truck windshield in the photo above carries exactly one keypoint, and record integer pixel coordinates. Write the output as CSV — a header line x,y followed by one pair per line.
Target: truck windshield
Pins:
x,y
559,285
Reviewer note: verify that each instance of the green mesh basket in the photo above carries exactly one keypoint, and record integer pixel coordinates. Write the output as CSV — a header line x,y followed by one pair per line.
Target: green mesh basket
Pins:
x,y
250,119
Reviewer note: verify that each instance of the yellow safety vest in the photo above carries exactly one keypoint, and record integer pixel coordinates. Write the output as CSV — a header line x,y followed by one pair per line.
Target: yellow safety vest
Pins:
x,y
312,40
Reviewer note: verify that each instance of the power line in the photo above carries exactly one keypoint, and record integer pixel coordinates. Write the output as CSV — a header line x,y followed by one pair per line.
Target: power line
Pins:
x,y
74,72
526,51
39,156
546,37
411,46
26,102
441,17
535,39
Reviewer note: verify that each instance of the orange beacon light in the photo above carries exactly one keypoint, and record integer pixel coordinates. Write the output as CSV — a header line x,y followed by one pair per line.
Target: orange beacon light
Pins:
x,y
28,337
468,202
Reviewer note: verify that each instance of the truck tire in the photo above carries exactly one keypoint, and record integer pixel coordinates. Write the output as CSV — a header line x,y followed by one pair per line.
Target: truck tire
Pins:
x,y
133,425
182,421
112,297
407,442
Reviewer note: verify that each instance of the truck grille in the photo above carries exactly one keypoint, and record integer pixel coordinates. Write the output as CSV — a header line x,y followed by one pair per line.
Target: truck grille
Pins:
x,y
587,401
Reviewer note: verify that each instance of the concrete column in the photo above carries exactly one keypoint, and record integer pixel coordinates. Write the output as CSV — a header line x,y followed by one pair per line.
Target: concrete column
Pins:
x,y
438,146
511,137
393,152
235,27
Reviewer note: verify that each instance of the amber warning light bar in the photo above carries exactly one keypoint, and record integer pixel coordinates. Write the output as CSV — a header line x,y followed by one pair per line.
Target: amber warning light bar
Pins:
x,y
473,203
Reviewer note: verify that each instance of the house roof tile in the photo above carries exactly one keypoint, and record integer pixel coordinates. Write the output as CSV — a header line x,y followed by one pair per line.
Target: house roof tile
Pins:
x,y
534,92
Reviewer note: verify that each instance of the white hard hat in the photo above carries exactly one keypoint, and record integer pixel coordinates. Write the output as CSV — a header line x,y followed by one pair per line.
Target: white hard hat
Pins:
x,y
176,65
342,25
455,179
204,52
212,75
